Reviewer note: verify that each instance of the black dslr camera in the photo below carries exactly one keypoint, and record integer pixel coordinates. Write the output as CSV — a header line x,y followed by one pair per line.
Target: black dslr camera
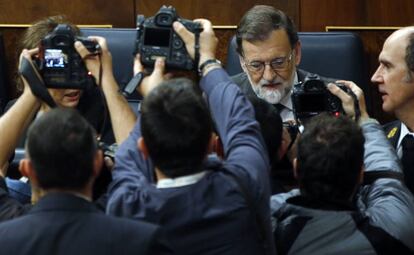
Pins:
x,y
311,97
59,63
156,38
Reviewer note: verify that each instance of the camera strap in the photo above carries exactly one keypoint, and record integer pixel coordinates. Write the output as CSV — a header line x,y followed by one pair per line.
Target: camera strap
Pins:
x,y
196,49
36,84
356,106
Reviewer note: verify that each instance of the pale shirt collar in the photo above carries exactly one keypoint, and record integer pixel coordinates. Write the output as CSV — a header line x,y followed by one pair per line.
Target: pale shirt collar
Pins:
x,y
286,101
180,181
404,131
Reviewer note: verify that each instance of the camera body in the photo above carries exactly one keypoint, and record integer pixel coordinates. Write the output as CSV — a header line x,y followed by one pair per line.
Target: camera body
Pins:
x,y
311,97
157,38
60,65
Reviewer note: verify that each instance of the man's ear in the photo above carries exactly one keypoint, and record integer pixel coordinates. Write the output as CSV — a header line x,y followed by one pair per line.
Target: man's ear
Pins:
x,y
27,170
97,163
295,169
143,147
298,53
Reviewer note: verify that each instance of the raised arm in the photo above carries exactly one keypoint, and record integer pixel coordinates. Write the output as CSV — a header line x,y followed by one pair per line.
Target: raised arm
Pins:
x,y
231,111
16,119
122,116
388,203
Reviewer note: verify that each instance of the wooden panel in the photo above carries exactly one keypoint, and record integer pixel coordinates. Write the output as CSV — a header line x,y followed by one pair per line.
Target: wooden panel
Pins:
x,y
219,12
316,14
119,13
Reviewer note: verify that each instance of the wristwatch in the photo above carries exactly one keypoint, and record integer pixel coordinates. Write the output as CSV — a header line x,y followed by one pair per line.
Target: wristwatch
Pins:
x,y
207,63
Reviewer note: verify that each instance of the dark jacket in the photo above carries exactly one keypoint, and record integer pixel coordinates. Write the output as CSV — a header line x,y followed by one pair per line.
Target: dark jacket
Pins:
x,y
210,215
63,223
379,221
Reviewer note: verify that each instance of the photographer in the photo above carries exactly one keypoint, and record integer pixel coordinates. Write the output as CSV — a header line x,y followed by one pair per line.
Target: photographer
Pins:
x,y
65,221
351,199
93,103
205,205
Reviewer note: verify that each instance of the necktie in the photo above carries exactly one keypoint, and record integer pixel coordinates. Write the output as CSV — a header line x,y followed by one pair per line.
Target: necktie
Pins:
x,y
408,161
279,107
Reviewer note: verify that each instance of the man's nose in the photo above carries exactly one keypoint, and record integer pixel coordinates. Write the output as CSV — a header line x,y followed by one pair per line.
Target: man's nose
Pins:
x,y
269,74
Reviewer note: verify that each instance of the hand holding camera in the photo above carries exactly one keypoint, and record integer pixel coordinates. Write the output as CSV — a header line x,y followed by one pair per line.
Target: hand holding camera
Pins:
x,y
95,61
157,38
349,100
60,65
313,96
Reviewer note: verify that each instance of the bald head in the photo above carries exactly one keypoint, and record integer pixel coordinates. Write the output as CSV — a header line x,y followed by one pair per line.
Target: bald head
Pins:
x,y
404,39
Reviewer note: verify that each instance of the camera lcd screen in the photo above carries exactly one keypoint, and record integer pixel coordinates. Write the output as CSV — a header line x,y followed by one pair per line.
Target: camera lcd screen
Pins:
x,y
157,37
312,103
55,58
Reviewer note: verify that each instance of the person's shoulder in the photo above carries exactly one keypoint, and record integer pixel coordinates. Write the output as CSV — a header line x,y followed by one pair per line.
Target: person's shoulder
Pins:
x,y
391,125
240,79
129,225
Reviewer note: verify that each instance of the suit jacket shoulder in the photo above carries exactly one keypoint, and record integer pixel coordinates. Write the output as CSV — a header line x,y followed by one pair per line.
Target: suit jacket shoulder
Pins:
x,y
66,224
243,82
392,131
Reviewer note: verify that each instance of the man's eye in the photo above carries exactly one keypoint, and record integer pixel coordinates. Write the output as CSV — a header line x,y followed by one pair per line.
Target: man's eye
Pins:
x,y
277,62
256,65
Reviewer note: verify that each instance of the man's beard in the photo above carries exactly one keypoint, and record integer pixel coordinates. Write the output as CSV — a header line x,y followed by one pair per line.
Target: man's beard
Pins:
x,y
269,94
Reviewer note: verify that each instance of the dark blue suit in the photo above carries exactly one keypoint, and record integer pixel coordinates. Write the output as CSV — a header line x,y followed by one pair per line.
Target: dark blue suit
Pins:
x,y
62,223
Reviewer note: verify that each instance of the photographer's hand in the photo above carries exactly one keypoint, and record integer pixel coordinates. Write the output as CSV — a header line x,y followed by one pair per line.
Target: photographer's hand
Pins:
x,y
17,118
93,62
348,101
152,81
122,117
208,40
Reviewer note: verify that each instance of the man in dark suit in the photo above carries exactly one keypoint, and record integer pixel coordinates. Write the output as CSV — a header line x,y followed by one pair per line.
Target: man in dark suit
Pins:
x,y
395,81
269,50
63,161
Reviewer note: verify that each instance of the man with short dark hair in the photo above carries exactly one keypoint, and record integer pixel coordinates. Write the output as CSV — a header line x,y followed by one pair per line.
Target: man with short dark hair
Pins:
x,y
270,50
351,198
63,161
205,205
395,81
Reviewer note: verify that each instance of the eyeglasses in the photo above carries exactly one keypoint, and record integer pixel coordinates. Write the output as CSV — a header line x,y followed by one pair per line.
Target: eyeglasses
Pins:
x,y
277,64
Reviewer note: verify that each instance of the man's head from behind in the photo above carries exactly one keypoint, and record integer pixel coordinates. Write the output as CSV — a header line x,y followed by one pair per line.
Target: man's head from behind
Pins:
x,y
269,50
62,149
330,158
176,127
395,73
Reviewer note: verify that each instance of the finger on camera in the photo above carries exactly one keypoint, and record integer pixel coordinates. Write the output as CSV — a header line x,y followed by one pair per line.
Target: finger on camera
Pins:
x,y
81,49
334,89
354,87
138,67
159,67
183,32
100,40
205,24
